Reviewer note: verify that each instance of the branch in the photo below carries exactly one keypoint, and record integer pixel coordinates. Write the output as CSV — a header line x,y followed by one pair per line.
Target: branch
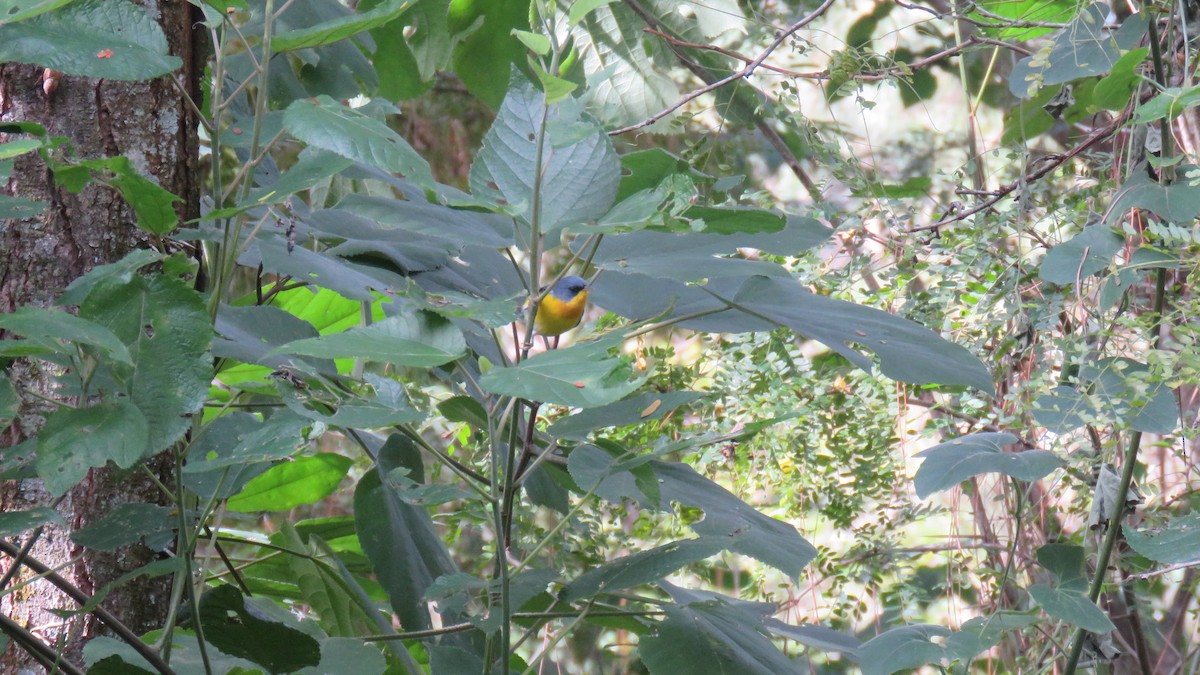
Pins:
x,y
1051,163
114,624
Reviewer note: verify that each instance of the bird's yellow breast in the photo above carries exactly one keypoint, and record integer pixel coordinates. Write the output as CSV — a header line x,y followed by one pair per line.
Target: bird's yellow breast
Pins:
x,y
555,317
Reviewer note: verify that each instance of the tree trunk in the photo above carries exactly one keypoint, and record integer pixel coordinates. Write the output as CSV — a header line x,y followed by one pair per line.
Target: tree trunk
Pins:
x,y
150,123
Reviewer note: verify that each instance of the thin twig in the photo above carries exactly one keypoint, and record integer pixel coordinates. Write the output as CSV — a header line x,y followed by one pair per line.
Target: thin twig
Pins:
x,y
1050,165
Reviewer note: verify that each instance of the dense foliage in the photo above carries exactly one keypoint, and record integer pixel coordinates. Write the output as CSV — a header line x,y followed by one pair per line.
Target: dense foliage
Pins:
x,y
379,467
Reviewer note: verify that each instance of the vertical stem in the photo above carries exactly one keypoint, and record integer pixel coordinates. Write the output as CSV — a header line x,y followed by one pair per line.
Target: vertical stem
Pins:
x,y
1130,462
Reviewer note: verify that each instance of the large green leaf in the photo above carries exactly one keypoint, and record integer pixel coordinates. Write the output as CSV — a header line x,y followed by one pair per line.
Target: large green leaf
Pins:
x,y
907,351
341,28
709,633
357,282
110,39
127,524
250,334
636,409
1074,607
324,123
419,339
119,272
153,205
596,469
947,464
1115,390
238,628
1087,253
640,568
1178,542
399,538
1068,599
302,481
19,207
164,324
747,531
14,523
625,85
1177,202
582,376
19,10
485,57
74,440
579,166
45,327
693,256
903,648
1082,49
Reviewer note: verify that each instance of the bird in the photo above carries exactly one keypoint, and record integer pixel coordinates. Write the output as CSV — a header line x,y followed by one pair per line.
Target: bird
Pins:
x,y
561,309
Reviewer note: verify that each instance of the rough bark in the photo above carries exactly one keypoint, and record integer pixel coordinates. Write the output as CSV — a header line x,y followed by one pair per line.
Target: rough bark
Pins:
x,y
150,123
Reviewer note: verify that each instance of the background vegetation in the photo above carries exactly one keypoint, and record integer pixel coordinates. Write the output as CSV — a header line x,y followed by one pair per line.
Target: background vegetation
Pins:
x,y
890,363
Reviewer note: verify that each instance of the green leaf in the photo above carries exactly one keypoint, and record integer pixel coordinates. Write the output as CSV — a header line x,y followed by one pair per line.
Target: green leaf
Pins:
x,y
1082,49
748,532
1022,11
582,376
709,633
1110,391
740,220
694,256
164,324
237,628
119,272
1074,607
913,187
1177,202
1178,542
907,351
947,464
578,162
1113,91
1168,104
19,147
388,406
19,10
595,469
640,568
340,28
817,637
1065,561
1087,253
46,327
14,523
484,58
419,339
127,524
292,483
251,334
77,439
405,549
903,648
19,207
581,8
625,83
329,125
634,410
109,39
315,166
153,205
10,402
537,43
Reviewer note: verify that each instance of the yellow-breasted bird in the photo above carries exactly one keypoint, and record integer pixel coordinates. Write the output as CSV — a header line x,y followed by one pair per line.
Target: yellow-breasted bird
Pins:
x,y
561,309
